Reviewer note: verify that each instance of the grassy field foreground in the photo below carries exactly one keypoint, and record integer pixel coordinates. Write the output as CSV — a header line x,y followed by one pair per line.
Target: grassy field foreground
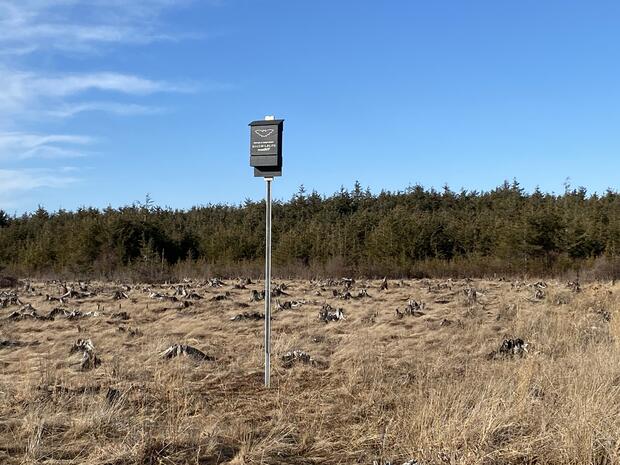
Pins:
x,y
430,387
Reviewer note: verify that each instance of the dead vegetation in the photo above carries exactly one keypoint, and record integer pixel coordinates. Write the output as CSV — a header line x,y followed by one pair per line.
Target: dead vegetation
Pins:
x,y
487,372
328,313
89,357
510,348
248,316
412,308
177,350
297,356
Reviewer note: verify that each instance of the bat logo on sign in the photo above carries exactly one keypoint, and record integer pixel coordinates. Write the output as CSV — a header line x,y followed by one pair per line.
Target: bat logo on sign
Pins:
x,y
264,132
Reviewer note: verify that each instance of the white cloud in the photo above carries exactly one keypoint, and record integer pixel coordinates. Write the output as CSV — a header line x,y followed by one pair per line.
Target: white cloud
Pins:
x,y
15,181
16,185
24,91
19,145
32,31
121,109
43,24
64,85
35,26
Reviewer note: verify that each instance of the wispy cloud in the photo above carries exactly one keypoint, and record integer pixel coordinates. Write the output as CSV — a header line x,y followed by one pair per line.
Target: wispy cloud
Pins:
x,y
31,31
14,183
121,109
42,24
61,26
19,145
23,180
22,90
69,84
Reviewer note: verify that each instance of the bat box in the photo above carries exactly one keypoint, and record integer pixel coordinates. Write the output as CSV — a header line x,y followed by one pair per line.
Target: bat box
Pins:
x,y
266,147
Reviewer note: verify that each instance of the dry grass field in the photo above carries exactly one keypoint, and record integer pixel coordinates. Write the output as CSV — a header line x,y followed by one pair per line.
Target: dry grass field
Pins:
x,y
429,387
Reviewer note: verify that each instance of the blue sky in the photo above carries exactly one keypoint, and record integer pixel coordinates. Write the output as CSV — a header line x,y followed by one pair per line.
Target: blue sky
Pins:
x,y
104,101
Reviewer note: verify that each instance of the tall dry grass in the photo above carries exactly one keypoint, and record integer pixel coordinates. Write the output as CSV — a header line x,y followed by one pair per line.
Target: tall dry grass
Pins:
x,y
388,389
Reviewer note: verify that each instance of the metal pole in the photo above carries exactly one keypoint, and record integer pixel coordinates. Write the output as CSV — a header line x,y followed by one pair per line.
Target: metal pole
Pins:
x,y
268,283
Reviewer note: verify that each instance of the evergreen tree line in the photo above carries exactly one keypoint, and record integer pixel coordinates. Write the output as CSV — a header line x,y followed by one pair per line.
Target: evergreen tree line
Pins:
x,y
412,233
